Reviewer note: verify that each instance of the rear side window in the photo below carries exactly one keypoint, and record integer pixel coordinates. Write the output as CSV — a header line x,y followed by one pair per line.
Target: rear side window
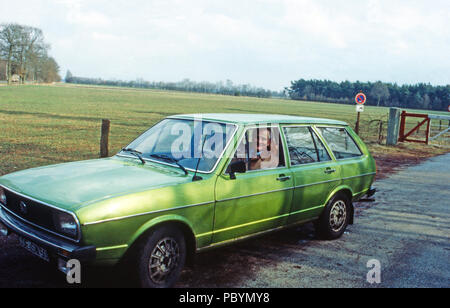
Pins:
x,y
340,142
304,146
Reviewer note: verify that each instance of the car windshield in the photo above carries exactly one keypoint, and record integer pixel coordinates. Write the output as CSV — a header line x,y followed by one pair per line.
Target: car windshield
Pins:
x,y
186,142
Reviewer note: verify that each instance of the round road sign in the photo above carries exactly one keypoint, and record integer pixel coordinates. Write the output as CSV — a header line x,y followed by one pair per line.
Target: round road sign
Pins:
x,y
360,98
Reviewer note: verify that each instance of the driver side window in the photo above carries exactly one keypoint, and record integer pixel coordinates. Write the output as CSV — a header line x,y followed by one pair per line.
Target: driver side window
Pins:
x,y
304,146
261,148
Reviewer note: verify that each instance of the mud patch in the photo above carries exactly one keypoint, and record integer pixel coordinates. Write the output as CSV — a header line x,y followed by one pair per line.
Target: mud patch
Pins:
x,y
393,159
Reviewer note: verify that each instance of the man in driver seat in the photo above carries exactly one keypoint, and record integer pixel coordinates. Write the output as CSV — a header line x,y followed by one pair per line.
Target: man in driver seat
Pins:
x,y
264,150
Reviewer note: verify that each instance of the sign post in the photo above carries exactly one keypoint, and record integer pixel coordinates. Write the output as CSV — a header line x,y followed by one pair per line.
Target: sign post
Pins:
x,y
360,100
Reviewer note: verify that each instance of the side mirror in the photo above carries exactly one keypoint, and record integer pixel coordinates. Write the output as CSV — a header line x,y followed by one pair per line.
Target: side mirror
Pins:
x,y
237,167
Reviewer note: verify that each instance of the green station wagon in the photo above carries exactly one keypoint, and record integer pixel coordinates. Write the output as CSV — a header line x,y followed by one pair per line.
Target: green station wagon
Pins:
x,y
188,184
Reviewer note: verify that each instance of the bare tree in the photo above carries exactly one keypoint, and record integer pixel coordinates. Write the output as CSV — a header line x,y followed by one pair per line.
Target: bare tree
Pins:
x,y
3,68
49,70
30,49
26,54
9,42
380,91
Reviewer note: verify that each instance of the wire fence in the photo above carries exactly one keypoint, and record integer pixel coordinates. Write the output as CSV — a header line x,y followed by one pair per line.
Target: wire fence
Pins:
x,y
374,130
440,132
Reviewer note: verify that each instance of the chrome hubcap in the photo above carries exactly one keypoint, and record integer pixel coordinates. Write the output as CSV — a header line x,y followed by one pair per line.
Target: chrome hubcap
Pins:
x,y
164,259
338,215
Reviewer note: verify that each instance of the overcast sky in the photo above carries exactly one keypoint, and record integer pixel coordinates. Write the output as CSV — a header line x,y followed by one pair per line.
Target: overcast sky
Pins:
x,y
263,42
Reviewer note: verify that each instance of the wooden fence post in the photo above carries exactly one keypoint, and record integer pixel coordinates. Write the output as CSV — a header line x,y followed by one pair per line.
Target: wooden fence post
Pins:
x,y
380,132
393,126
358,118
104,140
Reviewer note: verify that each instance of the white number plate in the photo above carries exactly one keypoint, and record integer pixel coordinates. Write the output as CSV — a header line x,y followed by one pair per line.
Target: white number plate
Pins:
x,y
34,249
3,230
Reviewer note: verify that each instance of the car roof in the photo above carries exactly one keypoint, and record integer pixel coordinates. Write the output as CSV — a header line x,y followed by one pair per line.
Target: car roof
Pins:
x,y
252,118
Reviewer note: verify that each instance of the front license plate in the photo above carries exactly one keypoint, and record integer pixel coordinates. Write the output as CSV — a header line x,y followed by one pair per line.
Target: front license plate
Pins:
x,y
34,249
3,230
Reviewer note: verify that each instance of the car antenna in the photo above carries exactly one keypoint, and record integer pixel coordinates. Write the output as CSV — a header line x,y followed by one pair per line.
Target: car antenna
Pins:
x,y
196,177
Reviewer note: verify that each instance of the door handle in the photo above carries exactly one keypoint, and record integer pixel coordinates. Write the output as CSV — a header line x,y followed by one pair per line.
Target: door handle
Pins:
x,y
329,170
283,178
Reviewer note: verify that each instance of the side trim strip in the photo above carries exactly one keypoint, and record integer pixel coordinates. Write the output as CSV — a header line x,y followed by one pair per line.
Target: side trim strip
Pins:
x,y
358,176
318,183
143,214
112,248
309,209
257,194
226,242
251,223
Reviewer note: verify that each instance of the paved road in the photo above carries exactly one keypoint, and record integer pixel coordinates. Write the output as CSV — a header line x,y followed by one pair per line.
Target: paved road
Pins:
x,y
407,229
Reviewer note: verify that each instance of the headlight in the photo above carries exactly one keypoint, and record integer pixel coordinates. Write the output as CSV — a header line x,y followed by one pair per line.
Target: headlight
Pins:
x,y
65,224
2,196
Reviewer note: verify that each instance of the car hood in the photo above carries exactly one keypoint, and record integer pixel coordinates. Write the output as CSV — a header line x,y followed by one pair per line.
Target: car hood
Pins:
x,y
72,185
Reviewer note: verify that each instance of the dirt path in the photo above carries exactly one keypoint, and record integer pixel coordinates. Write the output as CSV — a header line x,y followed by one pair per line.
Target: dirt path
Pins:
x,y
407,229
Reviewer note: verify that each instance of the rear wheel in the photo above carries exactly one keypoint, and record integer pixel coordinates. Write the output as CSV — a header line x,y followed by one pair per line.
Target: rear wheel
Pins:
x,y
161,258
335,218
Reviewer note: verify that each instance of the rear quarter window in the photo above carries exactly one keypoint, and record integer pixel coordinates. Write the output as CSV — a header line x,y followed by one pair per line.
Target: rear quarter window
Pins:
x,y
340,142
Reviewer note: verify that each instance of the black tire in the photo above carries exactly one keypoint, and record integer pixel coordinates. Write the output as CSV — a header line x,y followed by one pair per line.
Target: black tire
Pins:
x,y
161,258
335,218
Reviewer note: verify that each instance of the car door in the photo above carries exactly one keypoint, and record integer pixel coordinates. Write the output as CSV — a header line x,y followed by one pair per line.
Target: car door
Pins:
x,y
353,163
315,173
259,199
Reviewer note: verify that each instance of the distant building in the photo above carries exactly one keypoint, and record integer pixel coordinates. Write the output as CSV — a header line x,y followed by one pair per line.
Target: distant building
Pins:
x,y
15,78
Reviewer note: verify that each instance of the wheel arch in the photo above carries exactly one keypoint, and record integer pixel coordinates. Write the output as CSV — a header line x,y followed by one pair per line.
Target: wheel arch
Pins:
x,y
176,221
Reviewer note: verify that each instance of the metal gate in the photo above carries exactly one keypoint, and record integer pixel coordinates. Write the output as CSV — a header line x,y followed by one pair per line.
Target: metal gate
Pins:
x,y
424,128
439,130
405,134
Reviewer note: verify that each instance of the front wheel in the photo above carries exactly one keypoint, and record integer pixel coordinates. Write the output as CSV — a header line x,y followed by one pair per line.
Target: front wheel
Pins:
x,y
161,258
335,218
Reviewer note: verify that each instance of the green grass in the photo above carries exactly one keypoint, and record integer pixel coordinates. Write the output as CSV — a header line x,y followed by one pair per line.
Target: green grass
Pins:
x,y
41,125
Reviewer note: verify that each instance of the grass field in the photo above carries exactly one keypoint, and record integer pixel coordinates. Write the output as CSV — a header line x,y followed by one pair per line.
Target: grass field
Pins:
x,y
42,125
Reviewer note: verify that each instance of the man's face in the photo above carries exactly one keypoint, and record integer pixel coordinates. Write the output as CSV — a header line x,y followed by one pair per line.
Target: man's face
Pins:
x,y
263,140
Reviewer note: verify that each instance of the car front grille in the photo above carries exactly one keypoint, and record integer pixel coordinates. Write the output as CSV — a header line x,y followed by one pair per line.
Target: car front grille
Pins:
x,y
30,211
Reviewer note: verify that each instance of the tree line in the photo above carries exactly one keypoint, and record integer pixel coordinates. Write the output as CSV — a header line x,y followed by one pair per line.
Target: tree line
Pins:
x,y
187,85
24,53
418,96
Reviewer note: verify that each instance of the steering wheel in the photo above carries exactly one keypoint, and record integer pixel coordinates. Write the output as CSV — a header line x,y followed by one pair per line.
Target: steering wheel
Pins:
x,y
300,155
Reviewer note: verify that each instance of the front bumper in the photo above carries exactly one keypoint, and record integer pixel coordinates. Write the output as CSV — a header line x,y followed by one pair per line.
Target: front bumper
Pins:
x,y
56,247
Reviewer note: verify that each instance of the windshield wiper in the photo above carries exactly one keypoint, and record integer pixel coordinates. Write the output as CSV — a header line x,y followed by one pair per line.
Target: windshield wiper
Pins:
x,y
173,160
135,153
